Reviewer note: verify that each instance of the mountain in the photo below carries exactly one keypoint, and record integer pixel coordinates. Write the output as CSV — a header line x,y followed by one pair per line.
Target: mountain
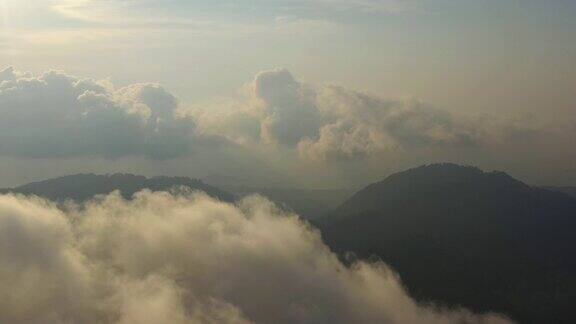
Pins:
x,y
82,187
222,181
567,190
459,236
308,203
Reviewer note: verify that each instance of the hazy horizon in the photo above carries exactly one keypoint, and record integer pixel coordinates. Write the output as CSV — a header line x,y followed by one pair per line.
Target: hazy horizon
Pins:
x,y
303,93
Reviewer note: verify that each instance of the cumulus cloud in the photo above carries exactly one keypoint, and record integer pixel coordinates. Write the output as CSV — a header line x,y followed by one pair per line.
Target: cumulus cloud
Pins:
x,y
164,258
334,123
58,115
288,107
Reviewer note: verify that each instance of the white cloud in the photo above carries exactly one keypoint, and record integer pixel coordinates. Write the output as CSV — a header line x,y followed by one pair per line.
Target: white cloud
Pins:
x,y
187,259
335,123
58,115
288,109
55,115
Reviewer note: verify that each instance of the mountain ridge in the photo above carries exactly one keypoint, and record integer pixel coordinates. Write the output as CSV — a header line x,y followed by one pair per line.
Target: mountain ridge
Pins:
x,y
487,241
84,186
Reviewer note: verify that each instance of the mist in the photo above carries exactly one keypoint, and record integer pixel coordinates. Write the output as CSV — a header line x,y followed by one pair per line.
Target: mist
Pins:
x,y
186,258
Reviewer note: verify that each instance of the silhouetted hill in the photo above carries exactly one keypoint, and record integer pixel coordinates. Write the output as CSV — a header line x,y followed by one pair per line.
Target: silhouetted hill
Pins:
x,y
82,187
463,237
308,203
567,190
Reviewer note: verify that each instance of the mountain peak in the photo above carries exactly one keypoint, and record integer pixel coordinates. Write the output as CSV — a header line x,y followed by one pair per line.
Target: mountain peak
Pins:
x,y
439,173
433,179
462,236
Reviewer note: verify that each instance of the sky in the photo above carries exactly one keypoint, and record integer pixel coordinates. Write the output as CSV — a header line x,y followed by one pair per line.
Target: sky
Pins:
x,y
305,93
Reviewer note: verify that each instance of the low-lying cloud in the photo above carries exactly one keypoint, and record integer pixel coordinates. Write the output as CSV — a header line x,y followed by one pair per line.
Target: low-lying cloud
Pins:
x,y
186,258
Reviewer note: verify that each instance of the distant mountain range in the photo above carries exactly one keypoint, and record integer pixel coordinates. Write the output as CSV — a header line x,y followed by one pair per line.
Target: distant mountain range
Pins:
x,y
463,237
82,187
308,203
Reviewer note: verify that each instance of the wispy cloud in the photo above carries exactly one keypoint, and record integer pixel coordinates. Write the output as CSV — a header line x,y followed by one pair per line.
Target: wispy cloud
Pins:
x,y
132,11
371,6
116,12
